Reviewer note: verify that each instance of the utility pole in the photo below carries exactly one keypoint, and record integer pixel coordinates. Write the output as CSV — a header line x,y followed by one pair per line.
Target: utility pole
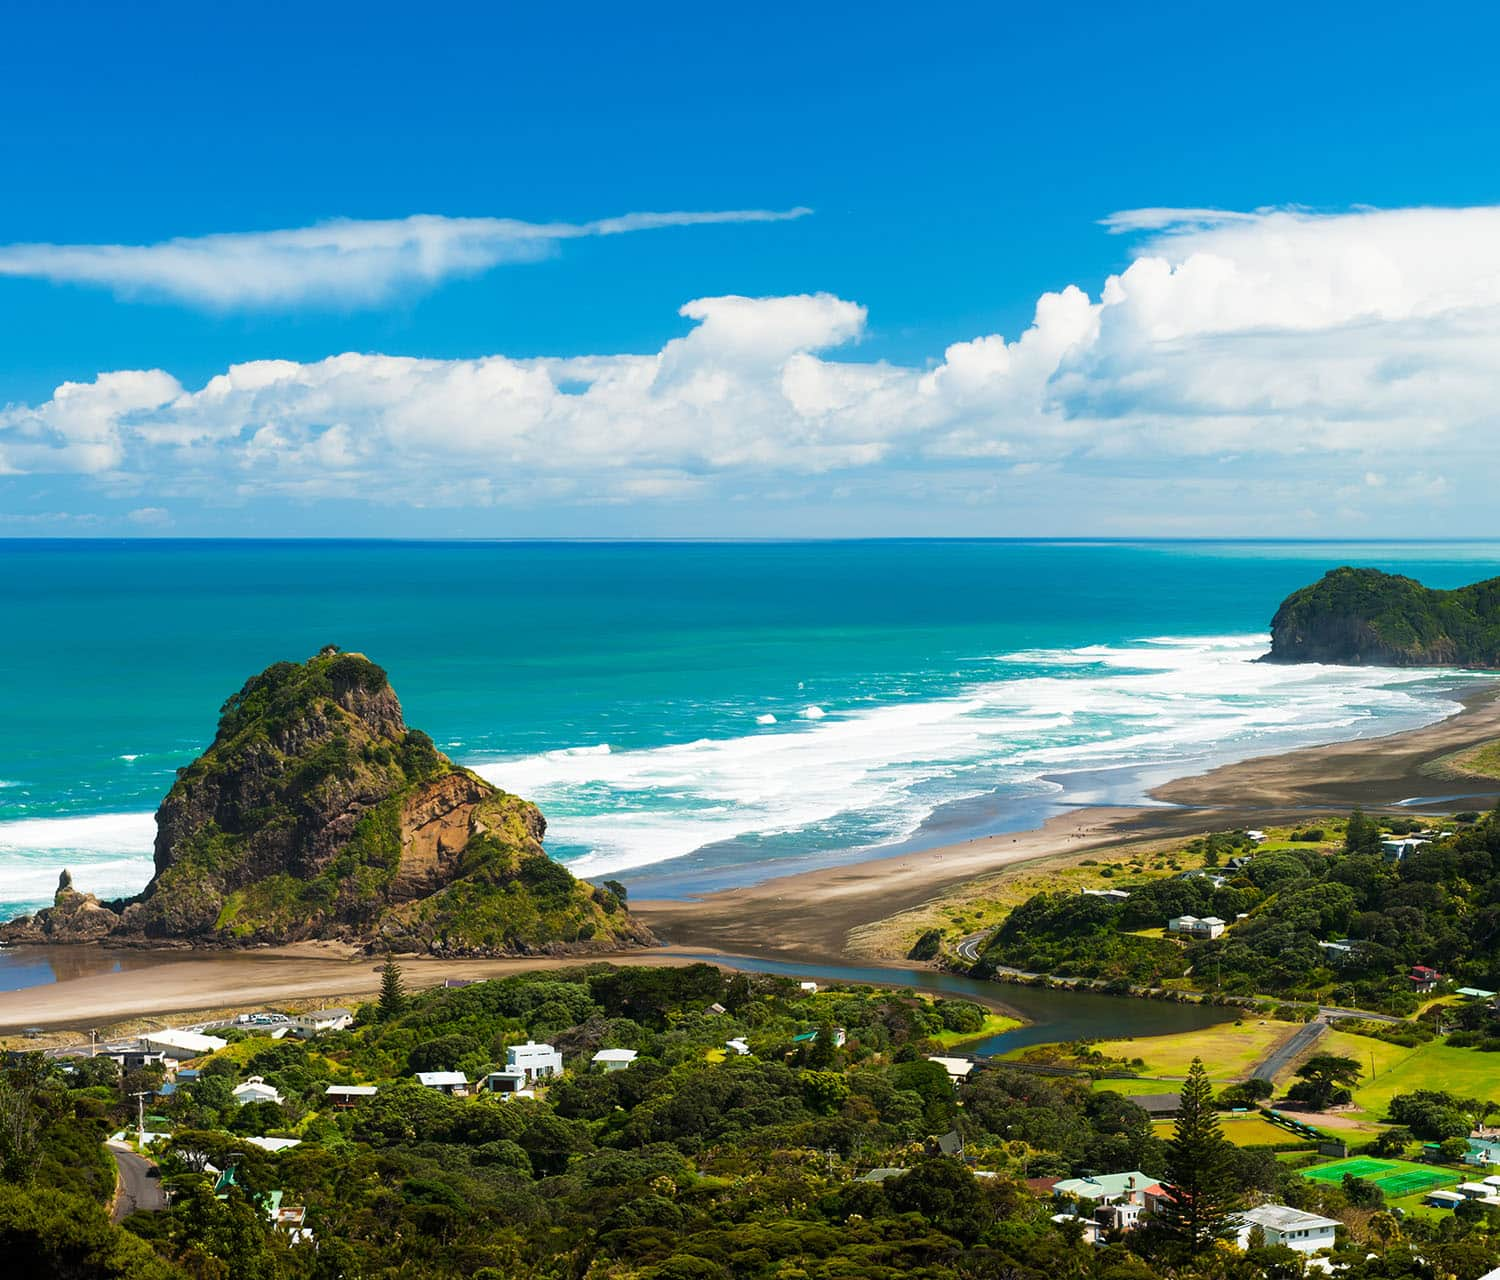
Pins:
x,y
93,1042
140,1116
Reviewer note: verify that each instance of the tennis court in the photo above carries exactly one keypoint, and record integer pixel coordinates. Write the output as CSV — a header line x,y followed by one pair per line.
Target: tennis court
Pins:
x,y
1394,1177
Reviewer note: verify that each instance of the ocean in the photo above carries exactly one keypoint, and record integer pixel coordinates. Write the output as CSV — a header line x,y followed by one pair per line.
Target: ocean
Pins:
x,y
689,715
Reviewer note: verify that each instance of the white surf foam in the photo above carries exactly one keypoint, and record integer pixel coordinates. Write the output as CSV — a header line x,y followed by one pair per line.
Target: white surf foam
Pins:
x,y
109,854
880,772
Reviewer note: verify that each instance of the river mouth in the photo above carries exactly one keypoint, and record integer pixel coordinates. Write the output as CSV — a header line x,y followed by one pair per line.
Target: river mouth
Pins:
x,y
1052,1015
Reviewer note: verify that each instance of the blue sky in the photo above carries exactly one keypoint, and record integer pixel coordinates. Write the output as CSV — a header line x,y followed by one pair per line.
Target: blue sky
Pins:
x,y
958,161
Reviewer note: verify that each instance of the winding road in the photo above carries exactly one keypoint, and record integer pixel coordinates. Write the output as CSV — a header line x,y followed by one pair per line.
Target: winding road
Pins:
x,y
137,1188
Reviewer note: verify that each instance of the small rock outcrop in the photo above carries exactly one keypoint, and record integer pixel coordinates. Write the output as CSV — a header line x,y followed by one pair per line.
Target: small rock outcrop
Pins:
x,y
1363,617
316,813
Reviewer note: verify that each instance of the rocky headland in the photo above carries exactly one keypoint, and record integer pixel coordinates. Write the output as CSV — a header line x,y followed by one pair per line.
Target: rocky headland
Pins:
x,y
317,814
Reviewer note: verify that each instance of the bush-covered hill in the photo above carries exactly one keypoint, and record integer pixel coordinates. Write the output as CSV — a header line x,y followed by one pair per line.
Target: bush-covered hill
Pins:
x,y
1364,616
317,813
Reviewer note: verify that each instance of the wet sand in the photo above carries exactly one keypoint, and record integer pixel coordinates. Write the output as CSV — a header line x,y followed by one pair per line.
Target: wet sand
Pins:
x,y
808,916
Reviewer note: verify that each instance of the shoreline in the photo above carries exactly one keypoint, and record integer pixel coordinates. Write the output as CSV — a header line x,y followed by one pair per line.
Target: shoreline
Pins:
x,y
809,916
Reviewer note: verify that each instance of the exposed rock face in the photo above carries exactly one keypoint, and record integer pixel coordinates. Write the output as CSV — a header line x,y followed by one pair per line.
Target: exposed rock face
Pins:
x,y
316,813
1364,617
72,917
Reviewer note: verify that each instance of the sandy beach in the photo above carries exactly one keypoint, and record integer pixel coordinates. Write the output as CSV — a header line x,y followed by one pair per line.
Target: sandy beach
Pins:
x,y
807,916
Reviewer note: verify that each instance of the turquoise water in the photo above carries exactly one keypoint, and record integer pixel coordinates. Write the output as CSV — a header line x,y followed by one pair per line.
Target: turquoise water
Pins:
x,y
687,714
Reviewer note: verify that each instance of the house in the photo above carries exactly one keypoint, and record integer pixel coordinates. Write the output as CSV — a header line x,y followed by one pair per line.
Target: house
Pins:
x,y
1483,1151
880,1175
1474,1190
1120,1216
1283,1225
1159,1106
1203,873
315,1023
1132,1187
510,1082
138,1059
840,1037
717,1008
1114,895
958,1069
1239,862
273,1145
1088,1228
1193,927
1423,978
1258,836
537,1061
180,1045
349,1095
739,1046
1397,849
809,987
449,1082
1340,952
255,1089
614,1059
1442,1199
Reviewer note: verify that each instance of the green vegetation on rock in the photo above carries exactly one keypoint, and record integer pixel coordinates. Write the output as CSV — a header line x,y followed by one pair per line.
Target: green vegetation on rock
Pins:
x,y
1364,616
317,814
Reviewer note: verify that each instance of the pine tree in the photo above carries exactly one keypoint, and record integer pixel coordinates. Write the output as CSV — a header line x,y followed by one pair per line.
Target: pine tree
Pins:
x,y
1200,1170
393,998
1362,835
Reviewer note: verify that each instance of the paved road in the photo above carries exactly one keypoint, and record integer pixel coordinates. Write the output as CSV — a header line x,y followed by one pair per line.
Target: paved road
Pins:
x,y
968,948
1282,1057
137,1190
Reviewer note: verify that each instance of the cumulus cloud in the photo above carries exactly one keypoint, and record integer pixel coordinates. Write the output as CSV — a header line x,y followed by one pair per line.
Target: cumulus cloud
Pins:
x,y
1329,355
342,261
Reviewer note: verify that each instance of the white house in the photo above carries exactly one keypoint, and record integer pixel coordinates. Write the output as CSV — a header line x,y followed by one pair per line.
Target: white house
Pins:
x,y
180,1045
1114,895
1131,1187
1207,927
810,987
536,1061
1399,849
614,1059
255,1089
320,1020
958,1069
739,1046
273,1145
1281,1224
451,1082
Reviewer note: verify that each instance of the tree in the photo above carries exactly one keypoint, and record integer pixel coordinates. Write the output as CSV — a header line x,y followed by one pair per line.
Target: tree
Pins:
x,y
1361,835
393,998
1200,1168
1323,1075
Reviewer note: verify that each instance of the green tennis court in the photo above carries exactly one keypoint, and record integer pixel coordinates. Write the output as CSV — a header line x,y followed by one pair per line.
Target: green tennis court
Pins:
x,y
1394,1177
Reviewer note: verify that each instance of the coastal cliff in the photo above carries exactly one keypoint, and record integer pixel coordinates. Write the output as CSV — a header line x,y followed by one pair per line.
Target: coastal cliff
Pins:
x,y
317,814
1366,617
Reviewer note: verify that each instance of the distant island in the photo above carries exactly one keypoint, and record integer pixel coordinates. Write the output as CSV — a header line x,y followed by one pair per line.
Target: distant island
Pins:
x,y
316,814
1369,618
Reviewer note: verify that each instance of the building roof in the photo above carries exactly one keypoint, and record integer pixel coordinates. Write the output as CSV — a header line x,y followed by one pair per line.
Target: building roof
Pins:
x,y
1476,993
959,1067
880,1175
1108,1185
434,1079
191,1042
274,1144
326,1014
616,1055
1157,1103
351,1091
1283,1218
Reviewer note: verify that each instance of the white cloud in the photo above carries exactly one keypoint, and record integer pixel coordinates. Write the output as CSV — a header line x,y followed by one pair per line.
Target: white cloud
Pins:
x,y
343,261
1346,359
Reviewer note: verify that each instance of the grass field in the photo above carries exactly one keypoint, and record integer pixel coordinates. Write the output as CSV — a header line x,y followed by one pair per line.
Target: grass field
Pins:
x,y
994,1024
1228,1050
1252,1130
1128,1087
1466,1072
1396,1178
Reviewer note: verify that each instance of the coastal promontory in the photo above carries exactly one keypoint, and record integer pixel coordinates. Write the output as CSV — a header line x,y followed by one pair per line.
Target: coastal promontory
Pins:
x,y
1369,618
317,814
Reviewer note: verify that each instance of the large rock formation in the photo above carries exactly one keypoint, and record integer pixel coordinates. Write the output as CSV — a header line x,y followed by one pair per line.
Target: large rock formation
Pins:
x,y
1366,617
317,814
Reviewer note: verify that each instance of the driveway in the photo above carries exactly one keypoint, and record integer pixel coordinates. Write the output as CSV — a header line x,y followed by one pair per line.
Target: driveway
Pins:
x,y
137,1190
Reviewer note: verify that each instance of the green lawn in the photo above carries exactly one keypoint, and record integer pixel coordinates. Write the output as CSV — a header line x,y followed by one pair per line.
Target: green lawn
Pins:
x,y
1251,1130
1129,1087
1228,1050
1466,1072
994,1024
